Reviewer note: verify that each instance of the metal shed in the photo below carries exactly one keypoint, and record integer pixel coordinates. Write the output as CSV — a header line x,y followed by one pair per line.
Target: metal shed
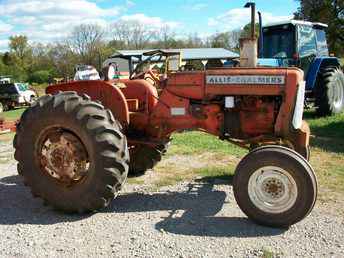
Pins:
x,y
127,59
187,53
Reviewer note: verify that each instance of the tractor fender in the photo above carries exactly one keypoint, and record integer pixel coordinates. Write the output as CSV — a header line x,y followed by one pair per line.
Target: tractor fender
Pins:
x,y
106,92
315,67
143,91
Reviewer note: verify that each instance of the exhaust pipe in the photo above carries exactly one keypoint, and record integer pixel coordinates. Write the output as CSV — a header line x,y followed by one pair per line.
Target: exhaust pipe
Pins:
x,y
248,46
261,37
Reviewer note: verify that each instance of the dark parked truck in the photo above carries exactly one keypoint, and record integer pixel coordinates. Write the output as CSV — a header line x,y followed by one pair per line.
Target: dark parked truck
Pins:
x,y
15,95
303,44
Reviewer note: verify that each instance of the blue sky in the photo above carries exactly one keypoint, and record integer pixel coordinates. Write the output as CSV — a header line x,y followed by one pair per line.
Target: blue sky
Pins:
x,y
52,20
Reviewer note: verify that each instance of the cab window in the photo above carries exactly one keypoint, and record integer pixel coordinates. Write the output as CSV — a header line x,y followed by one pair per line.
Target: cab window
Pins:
x,y
321,42
307,41
278,42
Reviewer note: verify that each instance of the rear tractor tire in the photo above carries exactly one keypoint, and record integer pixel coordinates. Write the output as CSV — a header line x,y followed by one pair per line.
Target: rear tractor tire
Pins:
x,y
71,152
144,157
275,186
329,91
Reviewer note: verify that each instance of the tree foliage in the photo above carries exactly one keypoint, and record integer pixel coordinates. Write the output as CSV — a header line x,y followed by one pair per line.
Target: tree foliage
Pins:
x,y
19,47
41,76
86,41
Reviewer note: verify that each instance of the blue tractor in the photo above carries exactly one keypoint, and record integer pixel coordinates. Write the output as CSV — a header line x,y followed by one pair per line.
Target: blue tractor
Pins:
x,y
303,44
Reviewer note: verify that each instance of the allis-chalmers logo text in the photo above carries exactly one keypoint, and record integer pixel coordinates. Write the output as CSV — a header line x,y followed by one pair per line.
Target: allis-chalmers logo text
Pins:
x,y
245,79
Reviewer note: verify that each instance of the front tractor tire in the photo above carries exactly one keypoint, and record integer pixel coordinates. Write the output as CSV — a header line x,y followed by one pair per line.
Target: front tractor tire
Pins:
x,y
71,152
275,186
329,91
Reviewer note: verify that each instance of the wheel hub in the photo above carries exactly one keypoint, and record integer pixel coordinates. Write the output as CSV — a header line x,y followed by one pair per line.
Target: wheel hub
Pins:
x,y
272,189
63,157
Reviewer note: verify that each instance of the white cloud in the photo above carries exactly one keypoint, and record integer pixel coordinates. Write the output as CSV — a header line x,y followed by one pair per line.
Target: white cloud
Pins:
x,y
51,19
152,22
82,8
5,27
3,45
238,18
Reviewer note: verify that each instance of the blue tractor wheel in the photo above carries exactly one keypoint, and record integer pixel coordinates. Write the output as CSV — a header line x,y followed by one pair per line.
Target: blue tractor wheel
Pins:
x,y
329,91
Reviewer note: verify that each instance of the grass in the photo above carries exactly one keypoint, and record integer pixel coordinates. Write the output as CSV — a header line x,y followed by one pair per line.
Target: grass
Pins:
x,y
219,172
173,174
342,62
327,156
6,137
40,88
191,144
328,132
13,115
331,126
268,254
196,142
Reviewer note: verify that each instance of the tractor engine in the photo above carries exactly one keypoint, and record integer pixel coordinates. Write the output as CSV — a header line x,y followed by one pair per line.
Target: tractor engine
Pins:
x,y
249,116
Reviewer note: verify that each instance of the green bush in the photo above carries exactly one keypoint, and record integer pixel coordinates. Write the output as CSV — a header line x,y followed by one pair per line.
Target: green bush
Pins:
x,y
40,77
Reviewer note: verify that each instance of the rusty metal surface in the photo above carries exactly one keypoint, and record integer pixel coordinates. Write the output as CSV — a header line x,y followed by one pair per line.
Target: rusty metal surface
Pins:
x,y
106,92
62,156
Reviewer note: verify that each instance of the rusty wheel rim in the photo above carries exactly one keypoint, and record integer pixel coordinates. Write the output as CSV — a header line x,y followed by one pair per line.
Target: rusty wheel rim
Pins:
x,y
63,157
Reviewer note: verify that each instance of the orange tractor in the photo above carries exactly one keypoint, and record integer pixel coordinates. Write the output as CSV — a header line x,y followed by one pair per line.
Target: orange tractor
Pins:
x,y
76,145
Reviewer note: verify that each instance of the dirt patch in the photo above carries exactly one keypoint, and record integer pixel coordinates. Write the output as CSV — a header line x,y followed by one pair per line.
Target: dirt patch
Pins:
x,y
176,168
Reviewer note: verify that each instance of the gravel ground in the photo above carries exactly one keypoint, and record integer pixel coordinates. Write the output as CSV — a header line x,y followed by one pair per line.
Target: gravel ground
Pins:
x,y
191,219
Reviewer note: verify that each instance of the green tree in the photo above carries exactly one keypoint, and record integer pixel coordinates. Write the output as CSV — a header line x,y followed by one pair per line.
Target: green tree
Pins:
x,y
87,41
20,48
246,31
228,40
40,77
63,60
330,12
7,59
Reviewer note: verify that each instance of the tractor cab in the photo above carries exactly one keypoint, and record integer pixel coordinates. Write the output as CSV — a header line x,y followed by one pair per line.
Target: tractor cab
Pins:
x,y
303,44
294,43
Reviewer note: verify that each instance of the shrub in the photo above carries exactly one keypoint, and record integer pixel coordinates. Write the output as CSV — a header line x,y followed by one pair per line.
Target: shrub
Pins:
x,y
40,77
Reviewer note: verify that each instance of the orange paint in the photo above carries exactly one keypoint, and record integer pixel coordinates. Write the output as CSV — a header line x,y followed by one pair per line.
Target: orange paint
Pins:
x,y
192,100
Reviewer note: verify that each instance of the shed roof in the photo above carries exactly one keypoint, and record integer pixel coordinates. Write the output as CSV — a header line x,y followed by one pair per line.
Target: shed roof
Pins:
x,y
187,53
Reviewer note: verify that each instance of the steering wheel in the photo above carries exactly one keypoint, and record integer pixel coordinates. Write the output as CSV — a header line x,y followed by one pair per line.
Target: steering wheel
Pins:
x,y
281,54
148,75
